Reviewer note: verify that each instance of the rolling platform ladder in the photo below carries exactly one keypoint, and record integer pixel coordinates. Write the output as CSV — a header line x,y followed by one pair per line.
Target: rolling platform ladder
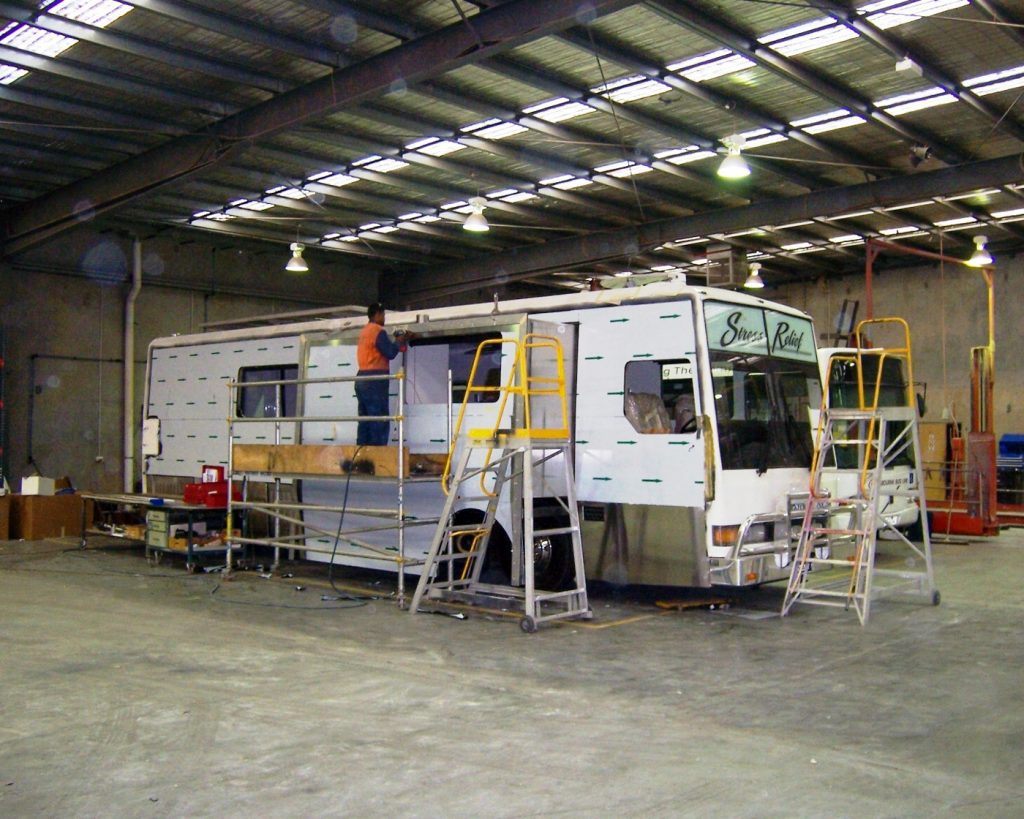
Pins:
x,y
495,468
861,444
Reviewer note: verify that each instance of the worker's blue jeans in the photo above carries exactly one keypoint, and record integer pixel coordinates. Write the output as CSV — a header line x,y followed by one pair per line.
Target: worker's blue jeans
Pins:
x,y
373,400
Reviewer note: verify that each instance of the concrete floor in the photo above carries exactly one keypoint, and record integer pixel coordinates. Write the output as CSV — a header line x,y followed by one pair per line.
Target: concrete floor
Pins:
x,y
130,690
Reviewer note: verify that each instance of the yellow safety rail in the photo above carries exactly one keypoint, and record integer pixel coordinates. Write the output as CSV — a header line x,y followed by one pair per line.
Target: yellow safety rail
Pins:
x,y
882,354
520,382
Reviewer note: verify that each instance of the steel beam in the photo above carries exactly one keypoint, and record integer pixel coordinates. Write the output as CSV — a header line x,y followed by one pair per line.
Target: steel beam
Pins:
x,y
564,253
488,33
699,20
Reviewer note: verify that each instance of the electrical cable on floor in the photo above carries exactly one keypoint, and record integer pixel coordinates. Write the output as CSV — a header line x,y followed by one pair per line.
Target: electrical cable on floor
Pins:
x,y
337,535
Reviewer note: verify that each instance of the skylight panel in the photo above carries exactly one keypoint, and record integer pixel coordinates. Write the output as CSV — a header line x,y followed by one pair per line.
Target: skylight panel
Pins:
x,y
200,214
38,41
408,217
440,147
9,74
502,193
99,13
624,168
558,109
256,206
427,219
629,89
901,230
769,139
796,246
829,121
501,130
808,37
847,237
917,101
292,193
386,229
220,217
386,165
898,12
693,156
999,81
337,180
519,196
561,113
575,182
700,59
718,68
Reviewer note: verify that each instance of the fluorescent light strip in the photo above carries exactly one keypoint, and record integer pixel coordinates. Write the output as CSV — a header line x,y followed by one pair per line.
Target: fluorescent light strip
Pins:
x,y
899,231
963,220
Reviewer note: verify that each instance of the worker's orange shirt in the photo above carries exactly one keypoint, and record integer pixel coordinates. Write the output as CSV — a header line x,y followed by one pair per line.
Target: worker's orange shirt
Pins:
x,y
367,355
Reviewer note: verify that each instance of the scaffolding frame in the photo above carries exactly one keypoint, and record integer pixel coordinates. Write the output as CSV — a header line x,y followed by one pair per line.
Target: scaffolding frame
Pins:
x,y
277,511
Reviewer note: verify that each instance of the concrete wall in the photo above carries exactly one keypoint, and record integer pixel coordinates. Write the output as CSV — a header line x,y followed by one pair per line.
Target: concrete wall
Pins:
x,y
946,310
62,312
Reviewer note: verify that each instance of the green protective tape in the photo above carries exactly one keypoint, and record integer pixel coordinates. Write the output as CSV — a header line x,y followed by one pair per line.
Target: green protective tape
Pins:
x,y
671,316
626,443
643,355
582,442
602,479
616,392
594,358
618,321
650,480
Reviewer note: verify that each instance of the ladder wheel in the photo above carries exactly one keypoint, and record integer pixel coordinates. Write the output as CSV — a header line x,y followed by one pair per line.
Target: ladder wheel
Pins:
x,y
936,598
528,625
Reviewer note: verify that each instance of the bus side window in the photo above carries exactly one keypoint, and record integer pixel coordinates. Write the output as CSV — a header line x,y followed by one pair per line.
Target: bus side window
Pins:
x,y
659,397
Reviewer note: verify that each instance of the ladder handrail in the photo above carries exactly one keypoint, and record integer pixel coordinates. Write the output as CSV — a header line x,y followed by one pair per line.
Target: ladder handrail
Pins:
x,y
518,383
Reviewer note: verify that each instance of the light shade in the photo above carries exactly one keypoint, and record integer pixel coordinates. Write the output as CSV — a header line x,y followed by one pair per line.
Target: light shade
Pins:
x,y
734,166
296,264
980,257
476,222
754,280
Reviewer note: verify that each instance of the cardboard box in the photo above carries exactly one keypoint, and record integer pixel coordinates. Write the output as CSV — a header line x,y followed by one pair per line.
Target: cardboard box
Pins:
x,y
37,485
37,516
5,517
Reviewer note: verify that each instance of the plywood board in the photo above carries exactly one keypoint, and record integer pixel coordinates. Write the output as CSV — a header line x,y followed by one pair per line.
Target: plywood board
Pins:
x,y
318,459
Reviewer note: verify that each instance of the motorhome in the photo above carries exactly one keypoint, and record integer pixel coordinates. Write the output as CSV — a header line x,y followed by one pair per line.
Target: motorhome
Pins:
x,y
689,414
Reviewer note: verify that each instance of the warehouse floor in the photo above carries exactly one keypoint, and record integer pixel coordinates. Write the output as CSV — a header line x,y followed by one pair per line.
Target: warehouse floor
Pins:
x,y
145,691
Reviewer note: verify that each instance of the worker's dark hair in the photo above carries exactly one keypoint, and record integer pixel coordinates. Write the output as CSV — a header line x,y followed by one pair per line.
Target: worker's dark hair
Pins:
x,y
374,309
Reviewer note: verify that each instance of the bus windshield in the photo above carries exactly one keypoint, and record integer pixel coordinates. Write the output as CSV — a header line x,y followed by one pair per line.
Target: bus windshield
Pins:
x,y
765,378
761,408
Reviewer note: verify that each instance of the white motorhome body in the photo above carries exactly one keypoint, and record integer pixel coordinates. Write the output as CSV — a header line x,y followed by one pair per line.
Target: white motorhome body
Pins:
x,y
839,370
689,415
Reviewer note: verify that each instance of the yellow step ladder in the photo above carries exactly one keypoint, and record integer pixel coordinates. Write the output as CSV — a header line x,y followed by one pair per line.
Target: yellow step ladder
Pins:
x,y
495,467
877,436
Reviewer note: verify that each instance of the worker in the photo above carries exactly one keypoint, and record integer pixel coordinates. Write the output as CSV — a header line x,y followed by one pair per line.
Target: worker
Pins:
x,y
374,351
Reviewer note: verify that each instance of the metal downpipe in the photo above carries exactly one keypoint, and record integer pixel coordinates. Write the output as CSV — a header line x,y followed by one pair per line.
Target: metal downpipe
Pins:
x,y
128,483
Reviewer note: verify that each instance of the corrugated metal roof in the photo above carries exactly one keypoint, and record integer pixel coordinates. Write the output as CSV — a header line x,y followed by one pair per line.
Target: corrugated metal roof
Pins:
x,y
564,132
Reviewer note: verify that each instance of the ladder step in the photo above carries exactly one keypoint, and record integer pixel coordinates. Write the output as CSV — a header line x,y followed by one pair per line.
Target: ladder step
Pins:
x,y
563,530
